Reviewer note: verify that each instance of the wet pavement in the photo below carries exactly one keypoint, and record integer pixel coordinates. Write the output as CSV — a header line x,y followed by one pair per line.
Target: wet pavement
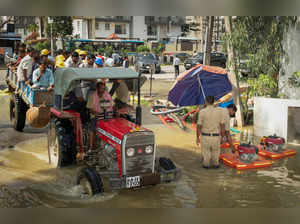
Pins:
x,y
27,180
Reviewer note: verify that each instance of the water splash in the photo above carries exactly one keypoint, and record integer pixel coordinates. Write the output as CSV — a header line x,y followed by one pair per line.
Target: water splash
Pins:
x,y
291,44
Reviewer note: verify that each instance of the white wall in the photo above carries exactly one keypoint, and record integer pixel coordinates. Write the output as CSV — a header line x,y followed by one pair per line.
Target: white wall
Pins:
x,y
139,27
271,116
84,30
77,27
102,33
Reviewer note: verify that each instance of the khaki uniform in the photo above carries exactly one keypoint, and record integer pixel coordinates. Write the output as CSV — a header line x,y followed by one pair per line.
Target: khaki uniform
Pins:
x,y
210,119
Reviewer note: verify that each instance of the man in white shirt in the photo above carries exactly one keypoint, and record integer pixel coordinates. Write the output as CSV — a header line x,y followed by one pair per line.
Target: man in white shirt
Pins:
x,y
176,63
109,62
24,69
73,61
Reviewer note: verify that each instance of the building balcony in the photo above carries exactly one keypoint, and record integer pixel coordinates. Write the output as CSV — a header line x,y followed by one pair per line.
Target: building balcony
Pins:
x,y
126,19
156,20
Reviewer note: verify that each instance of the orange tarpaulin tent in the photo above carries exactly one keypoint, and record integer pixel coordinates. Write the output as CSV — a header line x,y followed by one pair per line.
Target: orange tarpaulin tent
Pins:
x,y
113,36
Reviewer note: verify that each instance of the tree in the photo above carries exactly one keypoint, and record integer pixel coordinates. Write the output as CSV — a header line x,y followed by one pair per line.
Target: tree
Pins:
x,y
142,48
5,20
258,41
233,71
159,49
62,27
32,27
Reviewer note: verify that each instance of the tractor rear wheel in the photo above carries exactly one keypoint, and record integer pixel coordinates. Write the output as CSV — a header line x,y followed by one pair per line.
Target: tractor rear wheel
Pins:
x,y
90,182
17,109
61,143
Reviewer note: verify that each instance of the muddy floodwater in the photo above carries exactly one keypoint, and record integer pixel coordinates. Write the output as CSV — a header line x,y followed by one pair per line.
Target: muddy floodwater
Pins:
x,y
27,180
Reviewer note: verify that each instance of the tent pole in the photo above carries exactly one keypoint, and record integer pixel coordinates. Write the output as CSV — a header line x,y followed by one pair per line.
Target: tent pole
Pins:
x,y
201,88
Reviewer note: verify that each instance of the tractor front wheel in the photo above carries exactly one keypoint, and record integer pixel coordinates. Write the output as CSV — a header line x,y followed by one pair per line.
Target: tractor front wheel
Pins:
x,y
90,182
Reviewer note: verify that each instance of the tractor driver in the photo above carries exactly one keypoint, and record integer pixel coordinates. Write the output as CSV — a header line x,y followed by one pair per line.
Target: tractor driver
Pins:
x,y
98,102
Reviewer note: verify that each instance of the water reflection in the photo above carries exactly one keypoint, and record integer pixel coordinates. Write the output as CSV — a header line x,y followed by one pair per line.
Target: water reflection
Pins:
x,y
26,167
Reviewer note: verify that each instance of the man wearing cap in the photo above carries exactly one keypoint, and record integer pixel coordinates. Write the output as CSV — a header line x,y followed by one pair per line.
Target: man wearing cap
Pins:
x,y
210,125
82,55
98,63
73,61
99,102
45,57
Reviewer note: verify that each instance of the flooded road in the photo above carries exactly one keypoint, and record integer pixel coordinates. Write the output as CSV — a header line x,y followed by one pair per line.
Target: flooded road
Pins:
x,y
27,180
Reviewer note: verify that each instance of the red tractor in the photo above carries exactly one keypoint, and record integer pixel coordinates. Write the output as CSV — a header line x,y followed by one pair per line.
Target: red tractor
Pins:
x,y
124,152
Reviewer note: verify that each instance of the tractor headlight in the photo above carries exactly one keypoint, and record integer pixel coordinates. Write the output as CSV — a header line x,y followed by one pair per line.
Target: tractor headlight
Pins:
x,y
130,152
149,149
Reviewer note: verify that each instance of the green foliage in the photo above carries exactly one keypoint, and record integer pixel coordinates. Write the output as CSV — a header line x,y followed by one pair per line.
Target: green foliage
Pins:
x,y
101,50
258,40
158,50
108,50
32,27
142,49
294,80
42,45
124,52
62,26
88,48
264,85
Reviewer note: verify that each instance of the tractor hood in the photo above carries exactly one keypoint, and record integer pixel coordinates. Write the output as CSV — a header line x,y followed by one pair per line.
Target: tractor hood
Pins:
x,y
65,78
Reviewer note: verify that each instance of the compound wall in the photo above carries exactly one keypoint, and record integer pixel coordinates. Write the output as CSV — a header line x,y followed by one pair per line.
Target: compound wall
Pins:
x,y
277,116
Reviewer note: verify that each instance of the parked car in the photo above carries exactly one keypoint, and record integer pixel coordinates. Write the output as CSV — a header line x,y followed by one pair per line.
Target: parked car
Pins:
x,y
182,56
217,59
144,61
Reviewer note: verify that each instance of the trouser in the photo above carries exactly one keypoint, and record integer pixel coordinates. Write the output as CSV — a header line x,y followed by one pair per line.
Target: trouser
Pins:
x,y
210,146
176,67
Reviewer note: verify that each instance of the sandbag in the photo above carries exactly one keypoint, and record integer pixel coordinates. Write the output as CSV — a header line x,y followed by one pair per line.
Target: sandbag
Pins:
x,y
38,117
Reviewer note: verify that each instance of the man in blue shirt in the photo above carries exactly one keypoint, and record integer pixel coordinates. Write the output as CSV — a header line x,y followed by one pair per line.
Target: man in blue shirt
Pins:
x,y
43,77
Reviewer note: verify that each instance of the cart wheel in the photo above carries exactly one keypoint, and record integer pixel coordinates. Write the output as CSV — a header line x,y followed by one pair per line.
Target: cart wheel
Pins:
x,y
90,182
17,109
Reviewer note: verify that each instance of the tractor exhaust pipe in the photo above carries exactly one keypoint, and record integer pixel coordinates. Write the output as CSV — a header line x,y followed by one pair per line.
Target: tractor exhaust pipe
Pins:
x,y
139,108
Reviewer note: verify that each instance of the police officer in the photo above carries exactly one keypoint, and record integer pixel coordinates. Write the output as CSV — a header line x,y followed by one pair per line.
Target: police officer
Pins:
x,y
210,125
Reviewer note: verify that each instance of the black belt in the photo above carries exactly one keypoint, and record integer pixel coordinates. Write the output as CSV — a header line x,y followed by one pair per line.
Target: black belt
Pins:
x,y
210,134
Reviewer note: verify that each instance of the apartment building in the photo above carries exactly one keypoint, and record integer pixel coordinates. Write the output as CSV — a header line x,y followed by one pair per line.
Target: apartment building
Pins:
x,y
130,27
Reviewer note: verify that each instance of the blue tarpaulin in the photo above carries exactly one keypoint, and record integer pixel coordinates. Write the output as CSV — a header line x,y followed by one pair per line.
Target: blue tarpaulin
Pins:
x,y
193,86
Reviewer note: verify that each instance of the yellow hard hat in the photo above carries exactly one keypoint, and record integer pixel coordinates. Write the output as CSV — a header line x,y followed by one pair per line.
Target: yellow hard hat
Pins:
x,y
60,58
60,64
82,53
45,52
78,51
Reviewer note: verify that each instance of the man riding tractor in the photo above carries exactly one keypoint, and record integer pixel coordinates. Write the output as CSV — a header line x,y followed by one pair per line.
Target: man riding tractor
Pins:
x,y
122,151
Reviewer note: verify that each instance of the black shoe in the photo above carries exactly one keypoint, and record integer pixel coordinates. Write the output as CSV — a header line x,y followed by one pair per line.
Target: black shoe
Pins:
x,y
205,167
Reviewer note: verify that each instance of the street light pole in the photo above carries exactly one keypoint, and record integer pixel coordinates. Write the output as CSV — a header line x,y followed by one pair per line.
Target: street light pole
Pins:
x,y
50,21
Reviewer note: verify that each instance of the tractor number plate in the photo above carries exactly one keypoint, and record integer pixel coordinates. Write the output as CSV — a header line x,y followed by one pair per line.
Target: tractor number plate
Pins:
x,y
133,181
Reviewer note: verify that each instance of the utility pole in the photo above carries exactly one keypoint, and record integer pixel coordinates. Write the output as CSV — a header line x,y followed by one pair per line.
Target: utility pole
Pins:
x,y
50,21
208,40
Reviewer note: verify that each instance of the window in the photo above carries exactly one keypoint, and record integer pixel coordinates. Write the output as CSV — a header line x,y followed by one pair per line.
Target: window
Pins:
x,y
151,30
97,26
107,26
120,29
78,25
